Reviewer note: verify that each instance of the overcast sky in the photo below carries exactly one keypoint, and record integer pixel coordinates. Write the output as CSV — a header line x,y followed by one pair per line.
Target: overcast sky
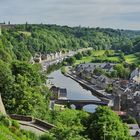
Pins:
x,y
93,13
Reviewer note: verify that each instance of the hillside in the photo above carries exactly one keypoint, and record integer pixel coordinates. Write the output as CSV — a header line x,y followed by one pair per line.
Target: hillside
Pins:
x,y
22,41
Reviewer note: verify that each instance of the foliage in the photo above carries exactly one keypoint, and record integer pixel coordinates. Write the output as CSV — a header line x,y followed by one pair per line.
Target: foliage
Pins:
x,y
69,124
129,120
104,123
98,71
71,60
9,130
122,71
78,56
63,70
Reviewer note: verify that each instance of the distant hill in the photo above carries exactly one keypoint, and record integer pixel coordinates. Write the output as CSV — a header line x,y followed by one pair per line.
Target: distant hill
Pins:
x,y
22,41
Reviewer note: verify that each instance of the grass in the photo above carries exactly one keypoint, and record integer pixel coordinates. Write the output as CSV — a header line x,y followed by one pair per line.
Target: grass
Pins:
x,y
6,134
98,52
113,58
132,58
84,60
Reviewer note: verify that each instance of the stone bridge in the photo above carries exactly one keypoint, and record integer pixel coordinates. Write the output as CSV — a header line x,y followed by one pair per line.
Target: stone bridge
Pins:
x,y
79,104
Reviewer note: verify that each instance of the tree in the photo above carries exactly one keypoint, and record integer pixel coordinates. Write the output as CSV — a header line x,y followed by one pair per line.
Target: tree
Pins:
x,y
98,71
113,74
78,56
71,60
105,124
69,125
89,52
7,80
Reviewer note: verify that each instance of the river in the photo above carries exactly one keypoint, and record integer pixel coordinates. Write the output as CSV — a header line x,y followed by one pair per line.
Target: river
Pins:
x,y
74,90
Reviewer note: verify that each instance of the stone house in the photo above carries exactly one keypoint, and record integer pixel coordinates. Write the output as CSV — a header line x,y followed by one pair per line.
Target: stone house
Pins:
x,y
94,79
135,75
134,131
103,81
88,68
37,58
119,86
58,93
52,56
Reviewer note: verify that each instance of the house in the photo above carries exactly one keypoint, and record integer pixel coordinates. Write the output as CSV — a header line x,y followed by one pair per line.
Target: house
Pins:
x,y
43,56
119,86
59,54
135,75
130,102
58,93
55,55
37,57
134,131
103,81
93,79
52,55
90,67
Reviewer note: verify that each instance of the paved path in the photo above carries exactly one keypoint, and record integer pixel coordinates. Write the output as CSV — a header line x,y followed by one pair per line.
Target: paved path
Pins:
x,y
30,126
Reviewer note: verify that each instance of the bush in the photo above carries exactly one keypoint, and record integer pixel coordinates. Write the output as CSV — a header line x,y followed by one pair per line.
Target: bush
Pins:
x,y
5,120
47,136
15,124
30,135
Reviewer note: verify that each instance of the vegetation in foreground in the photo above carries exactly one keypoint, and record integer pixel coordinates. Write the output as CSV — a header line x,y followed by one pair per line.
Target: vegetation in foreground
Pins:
x,y
79,125
10,130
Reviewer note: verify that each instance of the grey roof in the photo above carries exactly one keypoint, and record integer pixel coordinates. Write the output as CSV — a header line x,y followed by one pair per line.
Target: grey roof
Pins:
x,y
134,129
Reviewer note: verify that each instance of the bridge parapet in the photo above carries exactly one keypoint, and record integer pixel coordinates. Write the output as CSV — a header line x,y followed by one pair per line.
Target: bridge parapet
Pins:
x,y
79,104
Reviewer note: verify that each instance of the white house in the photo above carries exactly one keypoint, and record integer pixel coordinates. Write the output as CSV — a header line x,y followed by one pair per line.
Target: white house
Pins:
x,y
135,75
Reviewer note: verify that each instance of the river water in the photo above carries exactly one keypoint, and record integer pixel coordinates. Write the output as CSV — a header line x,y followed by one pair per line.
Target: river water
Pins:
x,y
74,90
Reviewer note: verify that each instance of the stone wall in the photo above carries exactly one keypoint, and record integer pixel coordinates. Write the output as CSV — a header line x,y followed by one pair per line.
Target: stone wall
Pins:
x,y
2,108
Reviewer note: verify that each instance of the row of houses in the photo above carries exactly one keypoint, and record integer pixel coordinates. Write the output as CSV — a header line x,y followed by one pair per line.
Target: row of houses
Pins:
x,y
47,57
126,93
86,71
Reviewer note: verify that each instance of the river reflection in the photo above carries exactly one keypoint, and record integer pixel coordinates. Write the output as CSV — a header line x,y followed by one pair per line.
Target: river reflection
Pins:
x,y
74,90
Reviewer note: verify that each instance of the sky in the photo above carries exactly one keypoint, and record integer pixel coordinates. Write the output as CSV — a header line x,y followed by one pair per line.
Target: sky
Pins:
x,y
118,14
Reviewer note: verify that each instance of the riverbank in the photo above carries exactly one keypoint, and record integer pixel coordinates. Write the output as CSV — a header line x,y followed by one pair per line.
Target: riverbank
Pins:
x,y
101,94
75,91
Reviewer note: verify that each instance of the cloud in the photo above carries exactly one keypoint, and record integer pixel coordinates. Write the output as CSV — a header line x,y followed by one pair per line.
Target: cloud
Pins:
x,y
103,13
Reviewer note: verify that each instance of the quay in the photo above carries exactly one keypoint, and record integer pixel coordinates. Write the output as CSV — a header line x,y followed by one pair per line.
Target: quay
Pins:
x,y
101,94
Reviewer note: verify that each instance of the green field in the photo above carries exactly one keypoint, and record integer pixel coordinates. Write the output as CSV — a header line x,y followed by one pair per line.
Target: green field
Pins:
x,y
98,52
114,58
132,58
84,60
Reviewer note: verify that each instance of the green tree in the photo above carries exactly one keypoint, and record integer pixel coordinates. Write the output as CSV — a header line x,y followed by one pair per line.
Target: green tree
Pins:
x,y
71,60
69,125
105,124
78,56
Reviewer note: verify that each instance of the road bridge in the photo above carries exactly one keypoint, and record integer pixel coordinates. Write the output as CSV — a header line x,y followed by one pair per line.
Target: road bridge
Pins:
x,y
79,104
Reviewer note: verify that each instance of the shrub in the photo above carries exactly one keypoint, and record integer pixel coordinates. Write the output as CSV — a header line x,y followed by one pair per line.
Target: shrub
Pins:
x,y
47,136
15,124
